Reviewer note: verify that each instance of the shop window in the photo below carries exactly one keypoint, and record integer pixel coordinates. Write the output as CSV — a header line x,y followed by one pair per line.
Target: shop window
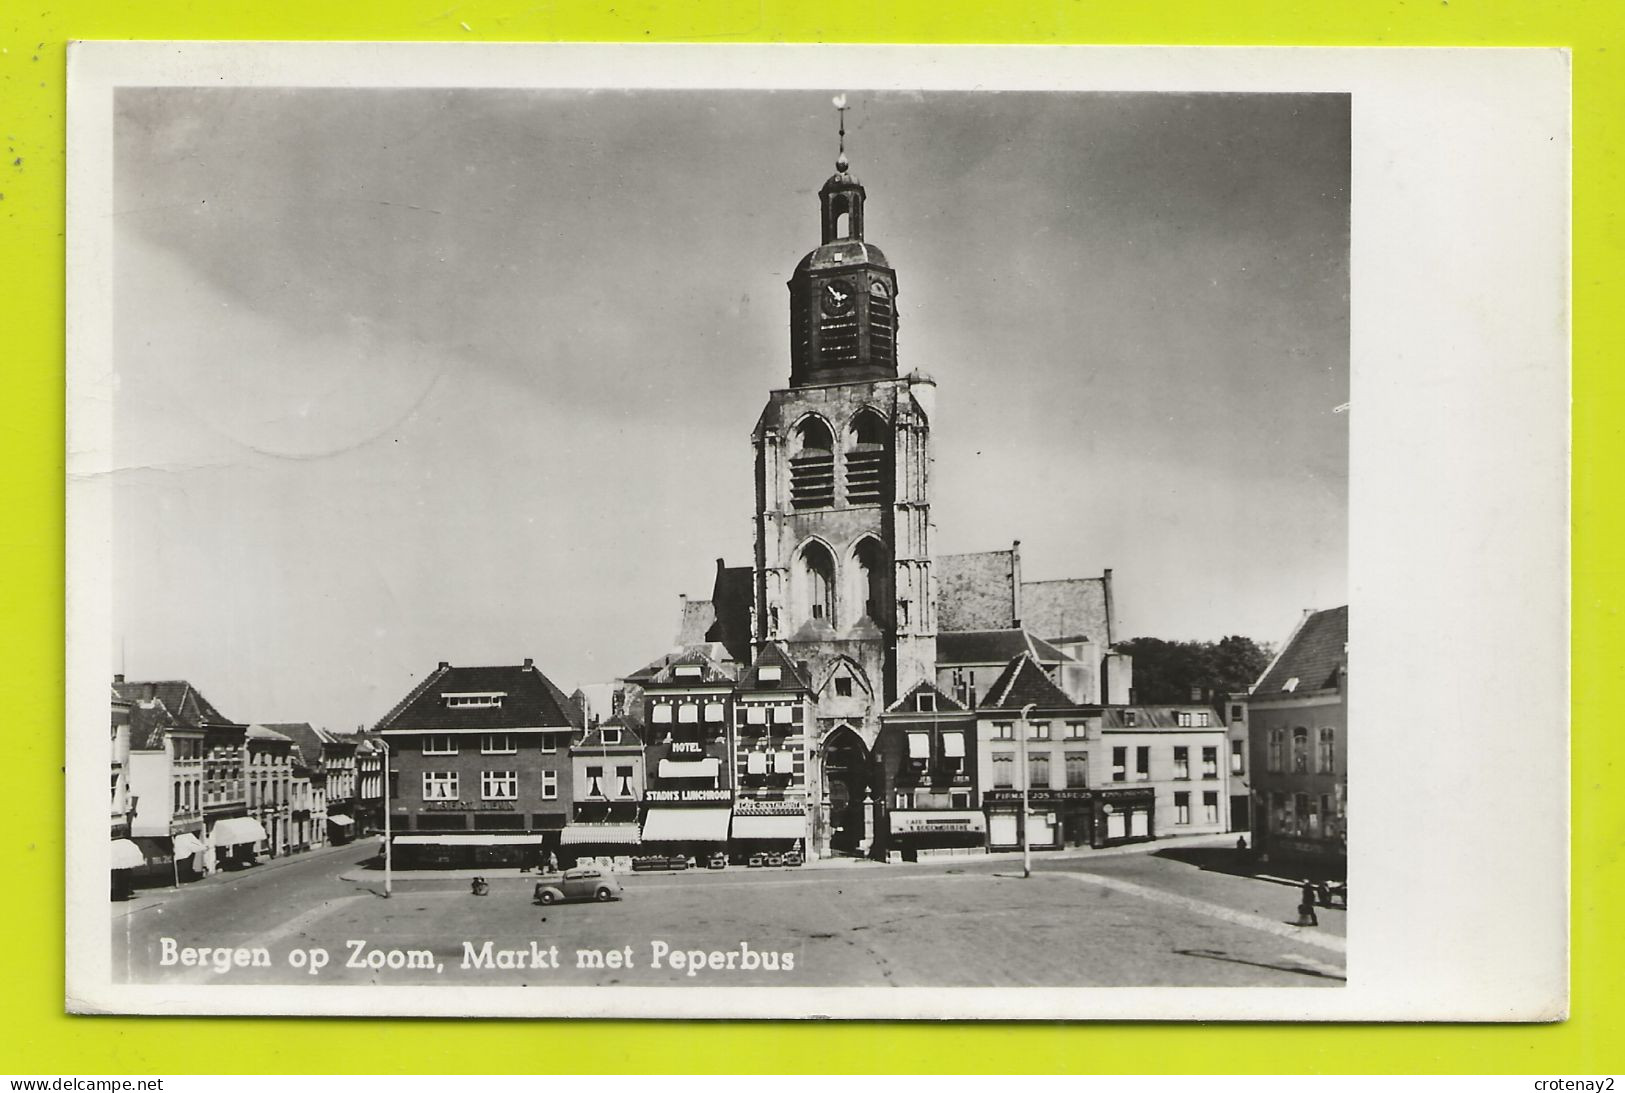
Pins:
x,y
550,785
1119,764
1210,762
497,743
1182,808
1182,763
499,785
439,744
959,798
1004,771
1210,807
440,785
1327,818
1327,757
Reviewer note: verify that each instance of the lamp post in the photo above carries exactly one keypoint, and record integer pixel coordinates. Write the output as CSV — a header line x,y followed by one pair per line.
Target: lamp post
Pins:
x,y
388,842
1026,789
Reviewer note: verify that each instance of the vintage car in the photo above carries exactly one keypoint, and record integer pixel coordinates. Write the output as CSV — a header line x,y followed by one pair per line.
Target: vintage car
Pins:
x,y
589,883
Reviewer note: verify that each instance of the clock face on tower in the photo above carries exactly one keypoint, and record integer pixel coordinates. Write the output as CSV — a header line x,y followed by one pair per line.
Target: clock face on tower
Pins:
x,y
837,297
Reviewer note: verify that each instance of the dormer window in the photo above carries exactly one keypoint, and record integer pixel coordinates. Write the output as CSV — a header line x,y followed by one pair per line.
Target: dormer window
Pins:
x,y
611,736
925,702
1290,685
688,671
770,673
473,699
1128,718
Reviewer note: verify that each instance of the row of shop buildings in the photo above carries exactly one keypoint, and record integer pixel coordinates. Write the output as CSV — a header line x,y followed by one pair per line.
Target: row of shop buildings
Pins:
x,y
193,791
700,757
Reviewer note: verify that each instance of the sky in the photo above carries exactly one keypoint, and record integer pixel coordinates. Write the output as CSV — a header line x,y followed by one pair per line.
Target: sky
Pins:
x,y
418,375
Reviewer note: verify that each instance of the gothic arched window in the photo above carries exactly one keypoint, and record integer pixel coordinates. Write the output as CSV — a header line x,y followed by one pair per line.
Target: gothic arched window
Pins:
x,y
816,574
866,458
867,575
812,465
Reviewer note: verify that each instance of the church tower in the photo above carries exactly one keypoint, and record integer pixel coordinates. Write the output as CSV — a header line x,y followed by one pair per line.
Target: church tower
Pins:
x,y
843,516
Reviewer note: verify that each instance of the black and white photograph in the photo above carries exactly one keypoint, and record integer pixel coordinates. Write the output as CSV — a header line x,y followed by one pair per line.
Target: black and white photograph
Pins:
x,y
803,542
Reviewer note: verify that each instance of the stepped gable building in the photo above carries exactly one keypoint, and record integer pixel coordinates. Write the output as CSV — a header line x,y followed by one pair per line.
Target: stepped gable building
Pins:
x,y
1297,721
480,767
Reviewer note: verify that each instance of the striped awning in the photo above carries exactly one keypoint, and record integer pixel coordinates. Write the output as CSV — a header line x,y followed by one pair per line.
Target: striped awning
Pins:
x,y
600,834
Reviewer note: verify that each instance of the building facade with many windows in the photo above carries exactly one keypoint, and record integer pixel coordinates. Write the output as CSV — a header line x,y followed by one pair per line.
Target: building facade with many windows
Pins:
x,y
1297,716
480,767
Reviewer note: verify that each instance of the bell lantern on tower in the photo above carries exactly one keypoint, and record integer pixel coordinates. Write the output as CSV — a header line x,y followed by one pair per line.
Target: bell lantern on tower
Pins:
x,y
843,310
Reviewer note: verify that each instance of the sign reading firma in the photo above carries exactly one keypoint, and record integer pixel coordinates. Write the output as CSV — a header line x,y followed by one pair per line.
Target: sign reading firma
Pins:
x,y
688,796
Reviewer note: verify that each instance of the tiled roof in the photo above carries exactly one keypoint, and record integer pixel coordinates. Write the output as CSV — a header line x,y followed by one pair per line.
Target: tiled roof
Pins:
x,y
993,647
1157,717
791,677
1313,656
1078,607
711,671
307,739
184,702
149,721
905,704
530,700
1024,681
593,739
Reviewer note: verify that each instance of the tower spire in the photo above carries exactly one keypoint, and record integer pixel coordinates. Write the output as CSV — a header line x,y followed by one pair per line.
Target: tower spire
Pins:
x,y
840,110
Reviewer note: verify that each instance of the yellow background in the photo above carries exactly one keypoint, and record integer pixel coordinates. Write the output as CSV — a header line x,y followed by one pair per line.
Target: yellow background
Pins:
x,y
39,1039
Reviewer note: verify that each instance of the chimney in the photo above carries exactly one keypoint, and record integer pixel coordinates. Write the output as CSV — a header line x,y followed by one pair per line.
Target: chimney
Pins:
x,y
1196,693
445,664
529,663
118,677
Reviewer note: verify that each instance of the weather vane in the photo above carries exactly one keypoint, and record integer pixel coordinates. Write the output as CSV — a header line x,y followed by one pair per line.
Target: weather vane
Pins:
x,y
840,109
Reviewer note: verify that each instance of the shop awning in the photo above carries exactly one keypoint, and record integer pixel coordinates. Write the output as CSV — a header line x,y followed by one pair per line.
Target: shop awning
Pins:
x,y
235,831
770,827
680,825
157,849
127,855
340,819
470,839
187,844
600,834
690,768
937,821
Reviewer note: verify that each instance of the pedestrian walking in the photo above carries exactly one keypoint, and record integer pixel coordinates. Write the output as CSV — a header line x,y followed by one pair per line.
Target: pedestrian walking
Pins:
x,y
1241,844
552,863
1306,906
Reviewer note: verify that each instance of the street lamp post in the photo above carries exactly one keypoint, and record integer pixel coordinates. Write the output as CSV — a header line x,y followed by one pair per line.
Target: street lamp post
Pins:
x,y
1026,789
389,845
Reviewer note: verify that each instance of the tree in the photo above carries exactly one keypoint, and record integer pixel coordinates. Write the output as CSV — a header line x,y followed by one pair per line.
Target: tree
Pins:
x,y
1174,671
